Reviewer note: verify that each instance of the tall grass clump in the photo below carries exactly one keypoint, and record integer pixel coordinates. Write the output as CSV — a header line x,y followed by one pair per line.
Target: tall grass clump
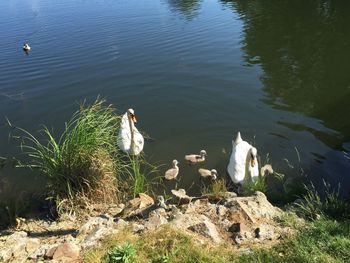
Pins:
x,y
250,187
217,188
83,160
137,176
332,206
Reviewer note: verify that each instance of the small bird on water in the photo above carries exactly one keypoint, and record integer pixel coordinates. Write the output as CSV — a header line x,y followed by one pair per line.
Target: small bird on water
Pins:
x,y
26,47
172,172
195,158
205,173
266,170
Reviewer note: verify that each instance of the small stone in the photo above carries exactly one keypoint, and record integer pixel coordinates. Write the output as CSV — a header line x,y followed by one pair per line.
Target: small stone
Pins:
x,y
49,252
137,228
32,245
155,221
161,202
264,231
14,246
67,251
221,210
115,210
95,236
93,223
134,203
121,223
230,195
207,229
181,196
145,200
39,252
238,228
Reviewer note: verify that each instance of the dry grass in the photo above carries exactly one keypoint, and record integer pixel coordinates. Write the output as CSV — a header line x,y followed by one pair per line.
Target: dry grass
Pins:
x,y
216,188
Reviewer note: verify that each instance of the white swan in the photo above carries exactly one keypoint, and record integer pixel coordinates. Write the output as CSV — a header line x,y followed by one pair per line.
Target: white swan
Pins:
x,y
130,140
243,163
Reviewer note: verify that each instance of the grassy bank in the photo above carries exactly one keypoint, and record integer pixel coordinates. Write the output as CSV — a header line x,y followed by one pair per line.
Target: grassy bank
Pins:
x,y
83,164
323,240
321,226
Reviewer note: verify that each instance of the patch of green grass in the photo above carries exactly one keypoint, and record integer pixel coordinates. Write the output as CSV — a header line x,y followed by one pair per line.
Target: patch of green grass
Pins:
x,y
81,158
312,206
121,254
140,175
216,188
165,245
259,185
319,241
313,242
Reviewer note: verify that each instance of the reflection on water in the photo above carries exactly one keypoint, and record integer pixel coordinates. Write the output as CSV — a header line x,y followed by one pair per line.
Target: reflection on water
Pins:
x,y
188,8
303,48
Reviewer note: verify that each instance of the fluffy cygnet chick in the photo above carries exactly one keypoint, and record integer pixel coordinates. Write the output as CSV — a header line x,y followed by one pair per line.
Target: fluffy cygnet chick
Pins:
x,y
205,173
196,158
172,172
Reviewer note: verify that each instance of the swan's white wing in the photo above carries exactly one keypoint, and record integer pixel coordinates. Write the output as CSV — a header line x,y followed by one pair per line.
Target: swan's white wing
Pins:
x,y
124,136
254,171
138,142
237,165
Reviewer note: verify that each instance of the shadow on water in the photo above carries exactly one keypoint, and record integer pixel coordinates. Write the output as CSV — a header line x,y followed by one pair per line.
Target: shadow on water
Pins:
x,y
303,49
21,202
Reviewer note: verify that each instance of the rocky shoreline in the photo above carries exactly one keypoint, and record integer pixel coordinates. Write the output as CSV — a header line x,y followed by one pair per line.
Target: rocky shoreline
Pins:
x,y
239,222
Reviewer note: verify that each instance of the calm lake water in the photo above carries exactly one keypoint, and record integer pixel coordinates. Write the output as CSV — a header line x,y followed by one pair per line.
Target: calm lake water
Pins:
x,y
196,72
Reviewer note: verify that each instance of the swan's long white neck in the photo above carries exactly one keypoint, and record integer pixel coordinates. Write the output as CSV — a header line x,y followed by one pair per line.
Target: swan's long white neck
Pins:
x,y
131,126
248,165
238,138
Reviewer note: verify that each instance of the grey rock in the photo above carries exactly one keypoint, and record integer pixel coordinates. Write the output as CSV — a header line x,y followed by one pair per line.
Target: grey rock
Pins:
x,y
95,229
137,228
121,223
161,202
221,210
39,252
181,197
199,224
265,231
207,229
116,210
229,195
66,252
95,236
15,246
93,224
32,245
155,221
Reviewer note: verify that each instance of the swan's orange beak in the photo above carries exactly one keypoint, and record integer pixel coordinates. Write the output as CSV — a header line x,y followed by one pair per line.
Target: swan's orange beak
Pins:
x,y
252,162
133,118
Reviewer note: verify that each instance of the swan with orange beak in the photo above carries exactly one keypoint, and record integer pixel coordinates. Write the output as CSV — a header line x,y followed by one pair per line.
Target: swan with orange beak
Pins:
x,y
130,140
243,164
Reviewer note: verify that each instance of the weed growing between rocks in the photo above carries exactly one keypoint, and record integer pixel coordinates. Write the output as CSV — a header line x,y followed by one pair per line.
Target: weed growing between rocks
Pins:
x,y
121,254
332,206
216,188
316,241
